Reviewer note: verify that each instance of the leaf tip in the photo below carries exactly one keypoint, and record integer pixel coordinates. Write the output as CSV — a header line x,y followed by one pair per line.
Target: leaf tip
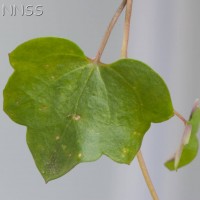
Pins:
x,y
169,164
47,179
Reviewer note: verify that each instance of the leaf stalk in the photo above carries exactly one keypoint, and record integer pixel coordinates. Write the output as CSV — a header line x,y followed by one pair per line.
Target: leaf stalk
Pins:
x,y
127,22
146,176
108,31
180,117
124,53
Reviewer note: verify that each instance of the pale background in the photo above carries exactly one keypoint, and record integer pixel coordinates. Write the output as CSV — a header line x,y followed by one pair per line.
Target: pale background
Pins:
x,y
166,35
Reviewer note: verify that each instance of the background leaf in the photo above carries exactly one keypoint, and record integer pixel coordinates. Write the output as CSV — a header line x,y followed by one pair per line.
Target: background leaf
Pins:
x,y
190,149
76,110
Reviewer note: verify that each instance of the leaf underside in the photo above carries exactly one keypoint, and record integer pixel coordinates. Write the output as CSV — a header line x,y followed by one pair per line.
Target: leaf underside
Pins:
x,y
76,110
190,149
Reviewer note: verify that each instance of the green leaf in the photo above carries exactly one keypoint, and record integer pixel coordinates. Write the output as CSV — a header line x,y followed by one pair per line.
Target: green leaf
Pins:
x,y
77,110
189,149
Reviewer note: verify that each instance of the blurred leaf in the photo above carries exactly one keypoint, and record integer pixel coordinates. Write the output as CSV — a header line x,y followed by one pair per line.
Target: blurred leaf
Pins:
x,y
76,110
189,145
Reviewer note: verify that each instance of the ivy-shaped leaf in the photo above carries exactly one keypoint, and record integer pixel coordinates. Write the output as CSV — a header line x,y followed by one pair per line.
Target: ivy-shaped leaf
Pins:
x,y
76,110
189,145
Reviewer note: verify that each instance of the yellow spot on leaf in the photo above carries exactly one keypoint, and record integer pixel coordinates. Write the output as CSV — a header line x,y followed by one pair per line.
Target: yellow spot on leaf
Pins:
x,y
57,137
135,133
76,117
123,156
125,150
79,155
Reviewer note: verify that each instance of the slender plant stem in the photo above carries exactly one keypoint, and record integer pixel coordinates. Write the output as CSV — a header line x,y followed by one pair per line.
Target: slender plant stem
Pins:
x,y
109,30
146,176
124,53
124,49
180,117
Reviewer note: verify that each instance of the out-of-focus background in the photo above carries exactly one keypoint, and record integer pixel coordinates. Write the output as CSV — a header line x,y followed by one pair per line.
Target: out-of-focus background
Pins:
x,y
165,35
